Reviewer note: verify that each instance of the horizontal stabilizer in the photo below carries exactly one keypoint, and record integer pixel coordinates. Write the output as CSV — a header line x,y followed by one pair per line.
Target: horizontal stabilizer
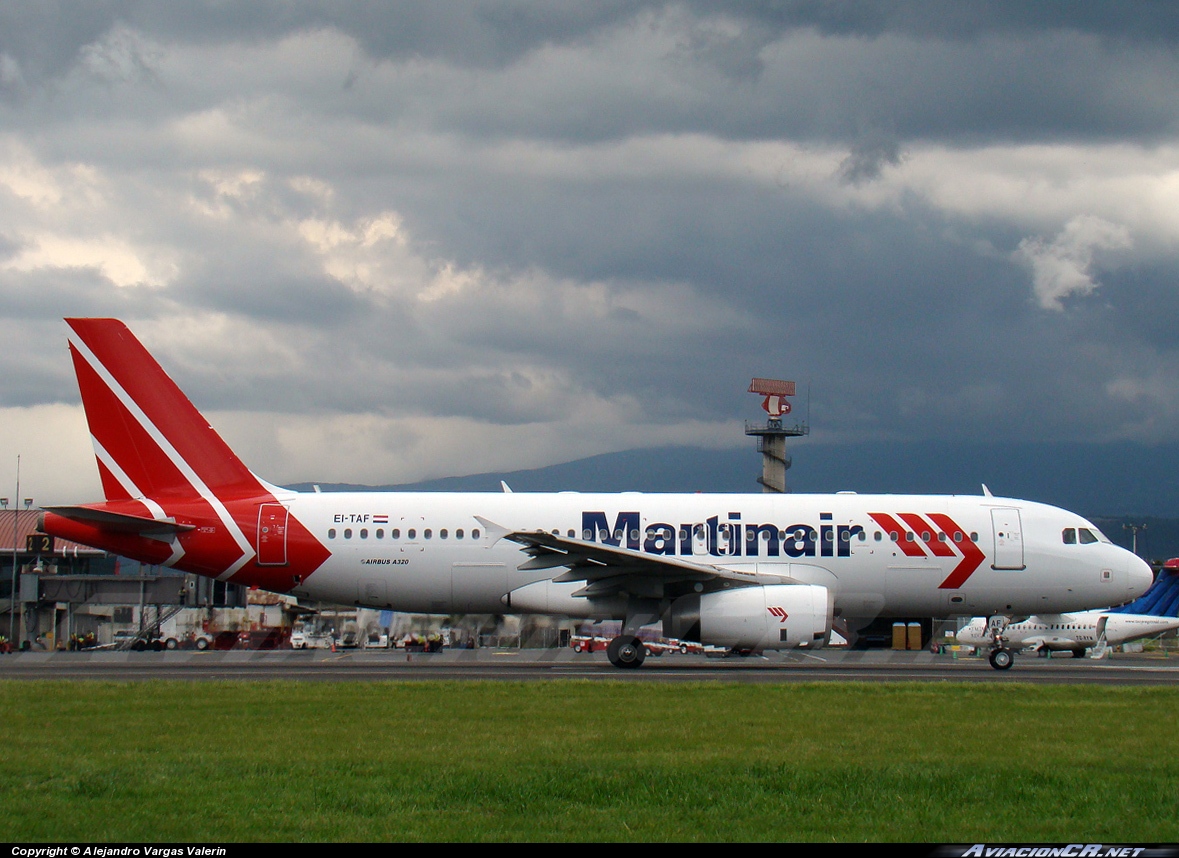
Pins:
x,y
119,522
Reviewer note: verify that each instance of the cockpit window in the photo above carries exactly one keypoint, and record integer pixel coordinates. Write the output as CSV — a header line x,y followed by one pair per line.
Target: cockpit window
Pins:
x,y
1087,537
1070,536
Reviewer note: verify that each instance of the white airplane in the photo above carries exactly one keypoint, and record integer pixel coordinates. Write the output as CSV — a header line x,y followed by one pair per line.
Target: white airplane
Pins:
x,y
1072,632
750,572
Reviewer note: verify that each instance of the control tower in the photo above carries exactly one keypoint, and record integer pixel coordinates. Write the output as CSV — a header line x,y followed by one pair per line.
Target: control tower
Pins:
x,y
772,436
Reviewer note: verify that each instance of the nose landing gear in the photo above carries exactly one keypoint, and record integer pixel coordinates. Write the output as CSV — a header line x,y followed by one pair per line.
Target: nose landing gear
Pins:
x,y
1001,657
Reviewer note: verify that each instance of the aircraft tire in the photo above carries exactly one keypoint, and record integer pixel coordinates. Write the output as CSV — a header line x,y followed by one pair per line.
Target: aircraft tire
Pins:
x,y
626,651
1079,653
1002,659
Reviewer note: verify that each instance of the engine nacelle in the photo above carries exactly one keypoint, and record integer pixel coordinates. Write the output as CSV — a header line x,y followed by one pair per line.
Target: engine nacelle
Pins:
x,y
777,616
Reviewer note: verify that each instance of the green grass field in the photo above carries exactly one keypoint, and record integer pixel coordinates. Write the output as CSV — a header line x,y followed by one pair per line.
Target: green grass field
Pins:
x,y
593,761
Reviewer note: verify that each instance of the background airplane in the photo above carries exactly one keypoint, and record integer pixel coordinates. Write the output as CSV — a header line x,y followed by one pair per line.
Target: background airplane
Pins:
x,y
749,572
1071,632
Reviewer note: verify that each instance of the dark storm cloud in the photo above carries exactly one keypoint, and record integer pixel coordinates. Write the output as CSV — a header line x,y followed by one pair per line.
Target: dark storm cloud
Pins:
x,y
824,70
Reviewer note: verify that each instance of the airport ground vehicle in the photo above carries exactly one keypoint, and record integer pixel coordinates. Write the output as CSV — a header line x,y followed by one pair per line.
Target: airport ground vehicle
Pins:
x,y
157,641
376,640
745,572
310,638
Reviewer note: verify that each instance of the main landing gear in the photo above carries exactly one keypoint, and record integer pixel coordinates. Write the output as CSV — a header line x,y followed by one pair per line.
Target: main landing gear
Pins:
x,y
1001,657
626,651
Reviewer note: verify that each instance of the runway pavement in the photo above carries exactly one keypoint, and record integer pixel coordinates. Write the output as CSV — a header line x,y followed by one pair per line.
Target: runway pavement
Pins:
x,y
561,664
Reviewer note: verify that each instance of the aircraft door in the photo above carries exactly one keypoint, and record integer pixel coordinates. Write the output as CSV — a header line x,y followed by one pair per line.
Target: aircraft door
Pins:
x,y
272,534
1008,533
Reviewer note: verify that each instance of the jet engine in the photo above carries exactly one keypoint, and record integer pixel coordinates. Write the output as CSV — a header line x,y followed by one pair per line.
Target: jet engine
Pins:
x,y
777,616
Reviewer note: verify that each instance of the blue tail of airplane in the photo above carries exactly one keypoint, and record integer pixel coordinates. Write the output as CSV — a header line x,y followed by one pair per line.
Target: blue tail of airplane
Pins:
x,y
1162,599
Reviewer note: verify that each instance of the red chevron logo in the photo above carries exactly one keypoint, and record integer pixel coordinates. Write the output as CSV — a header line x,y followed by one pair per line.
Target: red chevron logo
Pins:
x,y
940,535
780,613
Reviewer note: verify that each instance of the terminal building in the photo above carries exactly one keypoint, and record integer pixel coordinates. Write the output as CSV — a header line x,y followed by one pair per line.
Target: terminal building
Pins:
x,y
55,593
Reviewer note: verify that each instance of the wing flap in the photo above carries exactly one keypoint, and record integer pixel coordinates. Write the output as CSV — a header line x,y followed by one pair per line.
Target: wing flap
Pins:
x,y
610,568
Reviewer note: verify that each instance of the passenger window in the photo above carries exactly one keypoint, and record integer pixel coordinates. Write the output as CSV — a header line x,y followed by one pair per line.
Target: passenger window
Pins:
x,y
458,534
347,533
475,533
442,534
364,533
428,533
380,534
1069,536
411,533
395,533
331,533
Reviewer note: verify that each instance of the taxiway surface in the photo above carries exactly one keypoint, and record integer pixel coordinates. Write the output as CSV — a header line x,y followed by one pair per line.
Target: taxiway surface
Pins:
x,y
559,664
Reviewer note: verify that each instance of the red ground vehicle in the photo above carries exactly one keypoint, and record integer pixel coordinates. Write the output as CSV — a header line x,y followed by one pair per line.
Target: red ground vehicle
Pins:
x,y
589,643
597,643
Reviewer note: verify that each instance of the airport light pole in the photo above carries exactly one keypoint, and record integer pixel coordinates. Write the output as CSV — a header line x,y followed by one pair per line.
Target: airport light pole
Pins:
x,y
15,517
1134,528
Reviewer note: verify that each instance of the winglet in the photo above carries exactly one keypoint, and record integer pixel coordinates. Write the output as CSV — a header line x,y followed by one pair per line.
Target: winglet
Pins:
x,y
507,489
986,491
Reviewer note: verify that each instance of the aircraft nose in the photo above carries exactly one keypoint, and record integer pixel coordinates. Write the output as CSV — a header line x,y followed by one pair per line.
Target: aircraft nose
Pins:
x,y
1139,576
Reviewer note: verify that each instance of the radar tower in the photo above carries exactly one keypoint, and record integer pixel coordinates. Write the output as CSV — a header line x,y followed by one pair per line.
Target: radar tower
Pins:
x,y
771,437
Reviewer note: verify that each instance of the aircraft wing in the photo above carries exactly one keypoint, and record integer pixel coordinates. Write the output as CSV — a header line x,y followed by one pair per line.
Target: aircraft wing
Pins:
x,y
608,569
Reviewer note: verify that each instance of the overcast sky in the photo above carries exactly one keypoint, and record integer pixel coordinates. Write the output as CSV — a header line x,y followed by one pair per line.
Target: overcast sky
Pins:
x,y
381,242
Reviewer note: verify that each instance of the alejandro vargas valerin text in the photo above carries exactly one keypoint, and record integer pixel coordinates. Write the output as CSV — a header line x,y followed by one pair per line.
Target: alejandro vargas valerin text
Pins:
x,y
118,851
